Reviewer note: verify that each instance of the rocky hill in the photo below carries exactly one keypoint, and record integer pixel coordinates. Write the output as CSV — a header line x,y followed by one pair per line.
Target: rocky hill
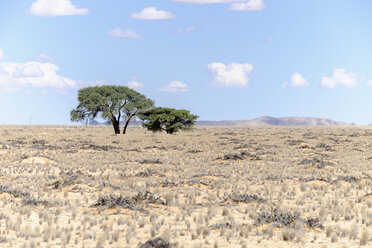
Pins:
x,y
272,121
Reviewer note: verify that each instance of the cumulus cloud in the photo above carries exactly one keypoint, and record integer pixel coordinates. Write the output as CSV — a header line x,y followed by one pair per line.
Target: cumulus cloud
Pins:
x,y
151,13
340,78
45,58
207,1
1,54
369,83
50,8
250,5
128,33
236,5
175,86
14,76
135,84
233,75
187,30
297,81
10,90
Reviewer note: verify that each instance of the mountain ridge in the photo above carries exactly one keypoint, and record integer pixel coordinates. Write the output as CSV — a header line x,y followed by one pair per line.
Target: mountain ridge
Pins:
x,y
274,121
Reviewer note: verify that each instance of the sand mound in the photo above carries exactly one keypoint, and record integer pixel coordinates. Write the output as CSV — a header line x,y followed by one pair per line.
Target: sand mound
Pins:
x,y
38,160
6,196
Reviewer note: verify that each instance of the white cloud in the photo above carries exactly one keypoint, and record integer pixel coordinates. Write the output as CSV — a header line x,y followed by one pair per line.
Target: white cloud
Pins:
x,y
14,77
45,58
32,74
236,5
135,84
207,1
297,81
233,75
186,31
1,54
50,8
250,5
369,83
151,13
175,86
10,90
340,78
129,34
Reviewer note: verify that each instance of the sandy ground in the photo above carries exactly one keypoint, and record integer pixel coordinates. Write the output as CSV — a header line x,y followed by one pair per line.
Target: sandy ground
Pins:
x,y
211,187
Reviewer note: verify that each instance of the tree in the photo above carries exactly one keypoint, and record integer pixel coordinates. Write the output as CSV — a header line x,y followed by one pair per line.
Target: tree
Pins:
x,y
111,103
167,119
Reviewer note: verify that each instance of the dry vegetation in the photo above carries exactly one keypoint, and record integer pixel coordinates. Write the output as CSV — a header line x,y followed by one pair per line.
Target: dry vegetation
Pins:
x,y
212,187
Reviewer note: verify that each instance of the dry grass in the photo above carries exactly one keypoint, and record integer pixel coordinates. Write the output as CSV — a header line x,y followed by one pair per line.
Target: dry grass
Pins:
x,y
212,187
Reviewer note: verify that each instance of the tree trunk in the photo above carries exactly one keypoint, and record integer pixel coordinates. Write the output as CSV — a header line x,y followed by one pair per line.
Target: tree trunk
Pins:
x,y
127,122
125,126
170,131
116,127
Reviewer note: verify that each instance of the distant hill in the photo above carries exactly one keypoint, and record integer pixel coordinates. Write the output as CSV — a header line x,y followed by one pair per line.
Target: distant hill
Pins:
x,y
94,123
272,121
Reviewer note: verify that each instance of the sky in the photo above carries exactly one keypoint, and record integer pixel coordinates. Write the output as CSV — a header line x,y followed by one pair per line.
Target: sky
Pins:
x,y
220,59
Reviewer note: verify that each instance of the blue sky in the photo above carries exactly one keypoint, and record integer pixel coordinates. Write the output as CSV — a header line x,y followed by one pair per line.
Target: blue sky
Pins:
x,y
221,59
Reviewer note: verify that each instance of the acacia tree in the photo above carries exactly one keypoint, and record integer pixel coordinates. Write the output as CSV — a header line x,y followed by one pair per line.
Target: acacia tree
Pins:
x,y
167,119
111,103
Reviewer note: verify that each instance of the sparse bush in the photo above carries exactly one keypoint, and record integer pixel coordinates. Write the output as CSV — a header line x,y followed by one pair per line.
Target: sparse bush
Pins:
x,y
155,243
277,217
246,198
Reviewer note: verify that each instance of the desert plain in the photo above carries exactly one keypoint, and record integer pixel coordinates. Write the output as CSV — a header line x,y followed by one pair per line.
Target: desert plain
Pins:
x,y
77,186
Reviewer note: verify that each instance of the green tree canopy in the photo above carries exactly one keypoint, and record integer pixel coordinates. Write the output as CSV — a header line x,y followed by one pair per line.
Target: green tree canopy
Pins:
x,y
111,103
167,119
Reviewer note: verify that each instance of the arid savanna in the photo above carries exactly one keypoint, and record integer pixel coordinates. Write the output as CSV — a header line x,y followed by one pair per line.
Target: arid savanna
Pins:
x,y
77,186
